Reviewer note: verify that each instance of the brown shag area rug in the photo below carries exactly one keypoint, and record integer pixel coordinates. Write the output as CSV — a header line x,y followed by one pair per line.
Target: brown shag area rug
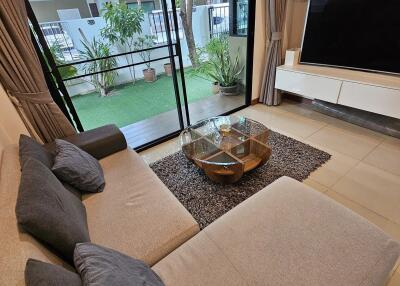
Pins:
x,y
207,200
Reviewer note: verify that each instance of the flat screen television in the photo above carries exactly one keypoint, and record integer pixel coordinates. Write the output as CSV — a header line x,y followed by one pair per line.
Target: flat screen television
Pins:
x,y
356,34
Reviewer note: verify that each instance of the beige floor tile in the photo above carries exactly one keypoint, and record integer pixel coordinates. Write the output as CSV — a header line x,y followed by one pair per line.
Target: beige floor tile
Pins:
x,y
345,142
362,211
391,228
306,111
284,122
330,173
372,188
393,142
385,156
395,281
357,130
315,185
160,151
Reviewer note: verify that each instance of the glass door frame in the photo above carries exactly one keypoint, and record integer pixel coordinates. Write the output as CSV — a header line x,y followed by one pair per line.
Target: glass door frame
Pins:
x,y
60,94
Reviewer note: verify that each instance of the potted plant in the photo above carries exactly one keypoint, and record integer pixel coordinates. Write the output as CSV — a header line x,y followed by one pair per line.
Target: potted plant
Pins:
x,y
168,69
221,67
143,44
103,81
123,24
215,87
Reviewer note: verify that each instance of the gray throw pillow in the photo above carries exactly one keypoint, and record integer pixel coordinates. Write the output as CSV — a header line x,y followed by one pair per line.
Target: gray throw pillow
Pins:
x,y
101,266
29,148
77,193
74,166
49,212
38,273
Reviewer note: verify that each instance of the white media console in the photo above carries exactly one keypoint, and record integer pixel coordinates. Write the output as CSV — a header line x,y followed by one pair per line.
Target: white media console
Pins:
x,y
378,93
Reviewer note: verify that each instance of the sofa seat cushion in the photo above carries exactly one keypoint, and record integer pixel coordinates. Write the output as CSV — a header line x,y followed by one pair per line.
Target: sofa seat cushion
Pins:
x,y
198,262
136,214
286,234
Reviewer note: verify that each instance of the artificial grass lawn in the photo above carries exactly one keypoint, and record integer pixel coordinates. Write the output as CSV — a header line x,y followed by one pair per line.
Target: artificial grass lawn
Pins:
x,y
131,103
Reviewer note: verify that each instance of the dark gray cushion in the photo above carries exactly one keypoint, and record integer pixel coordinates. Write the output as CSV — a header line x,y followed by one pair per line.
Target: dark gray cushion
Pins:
x,y
48,211
74,166
101,266
38,273
77,193
29,148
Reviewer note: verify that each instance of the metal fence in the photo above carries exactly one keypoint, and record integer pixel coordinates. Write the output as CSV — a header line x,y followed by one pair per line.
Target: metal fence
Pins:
x,y
242,9
157,26
218,17
58,40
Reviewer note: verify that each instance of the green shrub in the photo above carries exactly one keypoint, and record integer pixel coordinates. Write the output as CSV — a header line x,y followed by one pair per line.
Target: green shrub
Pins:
x,y
104,81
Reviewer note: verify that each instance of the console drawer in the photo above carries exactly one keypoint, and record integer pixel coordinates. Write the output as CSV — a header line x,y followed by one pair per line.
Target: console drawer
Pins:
x,y
307,85
372,98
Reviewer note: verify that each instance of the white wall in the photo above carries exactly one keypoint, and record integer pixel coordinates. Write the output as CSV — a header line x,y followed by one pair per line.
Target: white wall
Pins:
x,y
259,48
90,30
46,10
295,20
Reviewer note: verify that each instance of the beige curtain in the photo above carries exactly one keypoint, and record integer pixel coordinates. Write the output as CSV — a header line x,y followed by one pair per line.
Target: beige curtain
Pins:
x,y
22,76
275,13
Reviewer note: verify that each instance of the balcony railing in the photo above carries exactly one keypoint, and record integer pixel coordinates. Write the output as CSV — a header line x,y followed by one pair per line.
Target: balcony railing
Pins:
x,y
157,26
218,17
57,37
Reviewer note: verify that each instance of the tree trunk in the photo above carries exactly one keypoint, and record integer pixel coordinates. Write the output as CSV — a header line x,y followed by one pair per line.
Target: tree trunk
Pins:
x,y
186,16
103,91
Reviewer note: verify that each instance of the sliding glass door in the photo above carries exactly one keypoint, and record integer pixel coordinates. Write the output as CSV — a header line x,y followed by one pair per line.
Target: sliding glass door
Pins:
x,y
141,65
220,70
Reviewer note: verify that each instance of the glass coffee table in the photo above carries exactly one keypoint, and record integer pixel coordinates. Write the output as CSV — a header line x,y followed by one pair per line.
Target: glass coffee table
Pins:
x,y
226,147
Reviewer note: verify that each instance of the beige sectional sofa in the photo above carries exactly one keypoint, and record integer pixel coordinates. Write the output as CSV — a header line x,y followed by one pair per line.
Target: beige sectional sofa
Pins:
x,y
287,234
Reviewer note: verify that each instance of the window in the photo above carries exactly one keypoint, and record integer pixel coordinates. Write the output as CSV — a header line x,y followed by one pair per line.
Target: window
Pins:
x,y
94,11
239,18
147,6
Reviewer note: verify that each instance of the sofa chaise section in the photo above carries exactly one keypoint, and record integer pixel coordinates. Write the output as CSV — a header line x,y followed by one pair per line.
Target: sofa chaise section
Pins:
x,y
286,234
136,214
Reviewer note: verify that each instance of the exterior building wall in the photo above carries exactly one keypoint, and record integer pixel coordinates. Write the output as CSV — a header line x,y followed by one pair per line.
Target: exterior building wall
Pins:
x,y
46,10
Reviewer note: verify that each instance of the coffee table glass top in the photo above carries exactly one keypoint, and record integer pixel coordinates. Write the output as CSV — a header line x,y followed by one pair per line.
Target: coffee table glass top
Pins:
x,y
229,141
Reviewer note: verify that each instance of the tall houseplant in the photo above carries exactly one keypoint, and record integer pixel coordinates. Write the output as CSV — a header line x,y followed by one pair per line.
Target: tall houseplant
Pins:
x,y
216,62
103,81
142,45
122,25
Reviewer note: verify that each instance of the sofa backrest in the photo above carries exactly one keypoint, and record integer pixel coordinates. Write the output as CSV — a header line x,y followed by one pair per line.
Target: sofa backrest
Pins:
x,y
16,246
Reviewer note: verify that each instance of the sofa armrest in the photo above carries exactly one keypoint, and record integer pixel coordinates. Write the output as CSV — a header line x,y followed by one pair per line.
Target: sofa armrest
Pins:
x,y
99,142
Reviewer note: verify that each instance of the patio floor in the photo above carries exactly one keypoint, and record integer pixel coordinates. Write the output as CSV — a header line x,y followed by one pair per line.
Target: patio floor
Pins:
x,y
130,103
147,111
165,123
